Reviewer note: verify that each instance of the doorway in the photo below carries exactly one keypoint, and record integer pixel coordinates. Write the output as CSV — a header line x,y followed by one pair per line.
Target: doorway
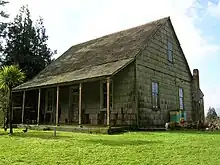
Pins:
x,y
73,104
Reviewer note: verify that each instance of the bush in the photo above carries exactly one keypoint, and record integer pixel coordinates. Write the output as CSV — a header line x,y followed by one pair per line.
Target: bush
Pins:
x,y
172,125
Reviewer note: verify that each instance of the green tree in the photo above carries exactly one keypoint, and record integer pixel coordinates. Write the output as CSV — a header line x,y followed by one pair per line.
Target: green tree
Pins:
x,y
211,114
3,105
3,25
10,76
26,44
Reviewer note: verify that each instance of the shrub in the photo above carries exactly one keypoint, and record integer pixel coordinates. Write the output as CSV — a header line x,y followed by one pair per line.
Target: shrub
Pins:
x,y
172,125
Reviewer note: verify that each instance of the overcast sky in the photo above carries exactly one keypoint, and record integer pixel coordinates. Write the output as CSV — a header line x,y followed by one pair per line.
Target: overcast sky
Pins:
x,y
197,25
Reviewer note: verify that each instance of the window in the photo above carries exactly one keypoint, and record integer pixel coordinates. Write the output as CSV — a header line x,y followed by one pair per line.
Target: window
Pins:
x,y
170,51
155,95
104,95
181,98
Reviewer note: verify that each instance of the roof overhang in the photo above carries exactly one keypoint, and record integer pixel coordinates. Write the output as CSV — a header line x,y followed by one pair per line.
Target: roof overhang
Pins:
x,y
81,75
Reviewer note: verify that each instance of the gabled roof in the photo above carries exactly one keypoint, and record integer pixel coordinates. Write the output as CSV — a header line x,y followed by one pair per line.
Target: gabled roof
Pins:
x,y
107,49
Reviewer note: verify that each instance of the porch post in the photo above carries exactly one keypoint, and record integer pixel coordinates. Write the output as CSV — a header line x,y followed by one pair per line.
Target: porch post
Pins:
x,y
108,101
57,106
38,107
23,107
80,103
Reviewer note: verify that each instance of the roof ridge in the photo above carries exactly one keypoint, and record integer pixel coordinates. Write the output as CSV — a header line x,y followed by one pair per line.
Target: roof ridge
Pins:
x,y
122,30
153,34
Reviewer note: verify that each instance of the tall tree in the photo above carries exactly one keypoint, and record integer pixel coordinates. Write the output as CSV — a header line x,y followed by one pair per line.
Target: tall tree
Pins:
x,y
10,76
3,25
211,114
26,44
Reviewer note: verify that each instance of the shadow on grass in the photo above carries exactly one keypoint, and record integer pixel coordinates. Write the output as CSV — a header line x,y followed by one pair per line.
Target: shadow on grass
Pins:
x,y
122,142
3,133
41,135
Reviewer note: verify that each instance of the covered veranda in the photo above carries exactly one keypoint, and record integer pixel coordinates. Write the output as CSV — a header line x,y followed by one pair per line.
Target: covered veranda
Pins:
x,y
88,83
37,104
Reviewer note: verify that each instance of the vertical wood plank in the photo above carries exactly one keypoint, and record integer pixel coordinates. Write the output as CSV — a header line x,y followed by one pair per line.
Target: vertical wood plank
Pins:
x,y
108,101
80,103
23,107
57,105
38,107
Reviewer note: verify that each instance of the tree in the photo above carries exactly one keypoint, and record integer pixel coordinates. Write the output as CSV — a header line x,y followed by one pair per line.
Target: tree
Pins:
x,y
211,114
3,25
4,105
26,44
2,13
10,76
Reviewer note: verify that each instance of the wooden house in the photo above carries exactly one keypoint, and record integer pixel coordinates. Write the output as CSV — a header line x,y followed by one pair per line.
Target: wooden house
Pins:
x,y
134,77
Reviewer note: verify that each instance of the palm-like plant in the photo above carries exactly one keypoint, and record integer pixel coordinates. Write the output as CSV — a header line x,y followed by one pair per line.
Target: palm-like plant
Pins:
x,y
10,76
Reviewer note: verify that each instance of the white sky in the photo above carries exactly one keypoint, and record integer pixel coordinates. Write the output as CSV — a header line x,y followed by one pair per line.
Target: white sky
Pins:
x,y
69,22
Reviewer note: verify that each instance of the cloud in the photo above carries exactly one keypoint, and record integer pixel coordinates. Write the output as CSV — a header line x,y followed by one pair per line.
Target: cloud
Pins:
x,y
94,18
213,9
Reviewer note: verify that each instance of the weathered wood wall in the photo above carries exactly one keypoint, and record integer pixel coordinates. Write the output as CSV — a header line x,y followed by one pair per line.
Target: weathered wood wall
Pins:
x,y
124,96
152,64
91,100
123,99
64,104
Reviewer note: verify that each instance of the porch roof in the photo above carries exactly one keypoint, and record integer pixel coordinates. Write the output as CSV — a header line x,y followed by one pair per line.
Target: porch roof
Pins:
x,y
107,69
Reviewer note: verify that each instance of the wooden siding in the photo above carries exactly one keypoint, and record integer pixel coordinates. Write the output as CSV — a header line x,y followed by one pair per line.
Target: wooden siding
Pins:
x,y
124,96
153,65
91,100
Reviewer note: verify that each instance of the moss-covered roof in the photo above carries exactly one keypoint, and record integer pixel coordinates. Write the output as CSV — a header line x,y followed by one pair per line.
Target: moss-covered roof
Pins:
x,y
82,61
80,74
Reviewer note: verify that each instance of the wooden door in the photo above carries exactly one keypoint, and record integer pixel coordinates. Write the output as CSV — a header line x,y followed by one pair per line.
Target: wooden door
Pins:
x,y
73,104
49,114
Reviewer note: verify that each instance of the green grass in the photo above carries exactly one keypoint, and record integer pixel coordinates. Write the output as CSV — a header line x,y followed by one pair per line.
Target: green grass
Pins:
x,y
130,148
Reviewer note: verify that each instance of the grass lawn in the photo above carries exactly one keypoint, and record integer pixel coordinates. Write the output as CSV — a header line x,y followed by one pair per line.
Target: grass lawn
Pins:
x,y
144,148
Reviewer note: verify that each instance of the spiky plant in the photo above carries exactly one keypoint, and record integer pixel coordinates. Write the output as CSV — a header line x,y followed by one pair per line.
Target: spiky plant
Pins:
x,y
10,76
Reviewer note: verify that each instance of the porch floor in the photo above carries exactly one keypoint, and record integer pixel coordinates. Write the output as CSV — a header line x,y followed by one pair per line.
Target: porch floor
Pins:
x,y
76,128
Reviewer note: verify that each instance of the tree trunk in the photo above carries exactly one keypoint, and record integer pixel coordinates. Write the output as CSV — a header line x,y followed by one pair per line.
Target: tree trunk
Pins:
x,y
10,111
5,122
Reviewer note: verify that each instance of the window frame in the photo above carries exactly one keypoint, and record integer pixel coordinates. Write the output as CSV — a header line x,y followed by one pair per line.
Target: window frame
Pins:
x,y
102,84
170,51
181,98
157,106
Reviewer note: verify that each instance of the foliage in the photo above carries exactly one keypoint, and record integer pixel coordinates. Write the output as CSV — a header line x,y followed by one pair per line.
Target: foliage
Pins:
x,y
38,147
26,44
3,104
10,76
211,114
172,125
3,25
2,13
